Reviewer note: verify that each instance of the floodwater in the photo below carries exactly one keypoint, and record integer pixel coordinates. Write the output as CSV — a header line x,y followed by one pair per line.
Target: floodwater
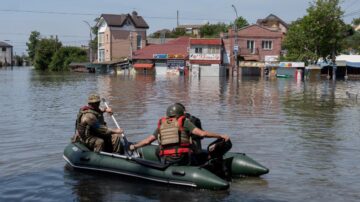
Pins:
x,y
307,134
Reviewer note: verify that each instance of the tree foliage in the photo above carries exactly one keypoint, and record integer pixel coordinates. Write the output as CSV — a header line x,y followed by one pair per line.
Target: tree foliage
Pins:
x,y
45,50
64,56
240,22
213,30
32,44
320,33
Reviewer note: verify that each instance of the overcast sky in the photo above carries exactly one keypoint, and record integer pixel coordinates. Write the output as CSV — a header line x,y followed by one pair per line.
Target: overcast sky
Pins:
x,y
65,17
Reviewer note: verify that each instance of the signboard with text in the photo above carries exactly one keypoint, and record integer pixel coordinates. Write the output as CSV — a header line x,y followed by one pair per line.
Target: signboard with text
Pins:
x,y
198,56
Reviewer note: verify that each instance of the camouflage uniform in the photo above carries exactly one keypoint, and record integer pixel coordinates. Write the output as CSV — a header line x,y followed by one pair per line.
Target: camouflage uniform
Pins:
x,y
93,131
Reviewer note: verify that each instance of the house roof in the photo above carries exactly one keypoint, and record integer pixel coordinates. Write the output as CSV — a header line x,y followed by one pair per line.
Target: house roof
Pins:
x,y
3,44
119,20
253,31
177,46
203,41
272,17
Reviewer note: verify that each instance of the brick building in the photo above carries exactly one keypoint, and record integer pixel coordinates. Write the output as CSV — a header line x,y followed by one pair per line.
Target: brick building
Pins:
x,y
120,35
162,58
257,44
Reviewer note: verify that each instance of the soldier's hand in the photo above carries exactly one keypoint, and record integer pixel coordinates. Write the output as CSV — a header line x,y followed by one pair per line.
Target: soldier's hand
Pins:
x,y
225,137
108,110
132,147
118,131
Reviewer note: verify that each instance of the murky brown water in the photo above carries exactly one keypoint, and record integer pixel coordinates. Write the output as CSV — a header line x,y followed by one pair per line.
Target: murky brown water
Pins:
x,y
307,134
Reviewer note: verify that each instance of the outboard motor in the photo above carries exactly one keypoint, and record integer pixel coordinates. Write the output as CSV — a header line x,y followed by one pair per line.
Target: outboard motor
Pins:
x,y
218,148
216,151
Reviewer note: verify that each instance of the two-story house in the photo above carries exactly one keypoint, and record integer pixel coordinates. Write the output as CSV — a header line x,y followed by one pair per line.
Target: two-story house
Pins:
x,y
205,57
120,35
6,54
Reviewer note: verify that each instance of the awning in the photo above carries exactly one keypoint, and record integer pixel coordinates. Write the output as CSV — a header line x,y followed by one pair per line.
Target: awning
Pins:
x,y
143,66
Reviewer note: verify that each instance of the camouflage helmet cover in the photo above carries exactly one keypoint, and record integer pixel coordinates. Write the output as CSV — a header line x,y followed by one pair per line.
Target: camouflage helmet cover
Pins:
x,y
93,98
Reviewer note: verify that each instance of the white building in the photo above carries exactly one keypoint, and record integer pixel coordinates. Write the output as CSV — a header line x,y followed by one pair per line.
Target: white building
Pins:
x,y
6,54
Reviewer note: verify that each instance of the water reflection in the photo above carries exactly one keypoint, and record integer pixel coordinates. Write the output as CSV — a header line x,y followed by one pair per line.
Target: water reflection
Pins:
x,y
306,133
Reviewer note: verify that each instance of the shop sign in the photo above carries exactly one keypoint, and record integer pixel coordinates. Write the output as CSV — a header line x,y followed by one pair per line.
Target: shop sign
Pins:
x,y
291,64
174,56
160,56
197,56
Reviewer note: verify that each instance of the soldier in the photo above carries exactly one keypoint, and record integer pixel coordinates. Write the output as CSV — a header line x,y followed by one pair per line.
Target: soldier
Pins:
x,y
92,129
173,133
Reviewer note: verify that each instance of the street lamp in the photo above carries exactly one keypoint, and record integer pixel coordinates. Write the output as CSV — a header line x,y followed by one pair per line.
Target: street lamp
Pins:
x,y
236,46
90,48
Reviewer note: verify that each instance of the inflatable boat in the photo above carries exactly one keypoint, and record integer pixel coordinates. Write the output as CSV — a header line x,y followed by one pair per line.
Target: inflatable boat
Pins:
x,y
146,165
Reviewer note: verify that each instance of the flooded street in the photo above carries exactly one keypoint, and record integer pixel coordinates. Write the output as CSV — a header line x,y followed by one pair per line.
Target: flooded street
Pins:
x,y
307,134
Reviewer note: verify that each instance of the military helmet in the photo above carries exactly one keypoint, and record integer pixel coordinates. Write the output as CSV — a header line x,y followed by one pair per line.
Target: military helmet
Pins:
x,y
181,105
174,111
94,98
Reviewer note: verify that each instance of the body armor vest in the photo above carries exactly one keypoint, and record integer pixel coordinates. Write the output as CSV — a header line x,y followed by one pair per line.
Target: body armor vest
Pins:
x,y
83,128
172,137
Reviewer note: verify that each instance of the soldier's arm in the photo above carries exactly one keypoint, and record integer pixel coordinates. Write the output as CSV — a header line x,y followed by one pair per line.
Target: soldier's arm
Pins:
x,y
92,121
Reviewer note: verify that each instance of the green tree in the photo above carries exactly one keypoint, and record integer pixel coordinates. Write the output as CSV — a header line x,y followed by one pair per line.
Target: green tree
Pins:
x,y
32,44
240,22
45,50
320,33
213,30
94,42
356,21
64,56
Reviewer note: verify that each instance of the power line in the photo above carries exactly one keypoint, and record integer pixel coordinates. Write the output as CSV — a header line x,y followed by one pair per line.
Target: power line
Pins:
x,y
90,14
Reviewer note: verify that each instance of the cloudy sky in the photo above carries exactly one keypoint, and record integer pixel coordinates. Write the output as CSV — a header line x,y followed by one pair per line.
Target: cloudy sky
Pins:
x,y
65,18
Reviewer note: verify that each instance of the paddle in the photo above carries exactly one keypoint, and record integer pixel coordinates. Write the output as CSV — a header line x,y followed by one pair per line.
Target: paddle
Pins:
x,y
126,142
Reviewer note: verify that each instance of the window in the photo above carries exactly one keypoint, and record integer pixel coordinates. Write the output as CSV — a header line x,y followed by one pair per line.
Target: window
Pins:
x,y
101,39
138,41
266,45
198,50
251,46
213,50
4,49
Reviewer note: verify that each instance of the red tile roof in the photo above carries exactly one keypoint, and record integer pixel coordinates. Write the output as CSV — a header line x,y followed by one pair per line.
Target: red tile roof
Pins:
x,y
205,41
177,46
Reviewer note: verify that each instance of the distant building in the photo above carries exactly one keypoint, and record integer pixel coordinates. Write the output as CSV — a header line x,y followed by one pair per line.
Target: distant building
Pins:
x,y
6,54
274,23
160,58
257,45
120,35
193,30
205,57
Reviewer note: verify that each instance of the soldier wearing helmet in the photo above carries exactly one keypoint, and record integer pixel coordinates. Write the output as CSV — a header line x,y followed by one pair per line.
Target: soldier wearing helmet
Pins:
x,y
92,129
173,134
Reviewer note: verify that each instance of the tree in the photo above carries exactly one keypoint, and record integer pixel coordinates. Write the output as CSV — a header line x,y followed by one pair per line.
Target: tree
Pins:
x,y
45,50
94,42
356,21
240,22
32,44
213,30
64,56
318,34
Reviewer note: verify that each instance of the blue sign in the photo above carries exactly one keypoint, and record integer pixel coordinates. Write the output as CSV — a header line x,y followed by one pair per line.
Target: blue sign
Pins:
x,y
160,56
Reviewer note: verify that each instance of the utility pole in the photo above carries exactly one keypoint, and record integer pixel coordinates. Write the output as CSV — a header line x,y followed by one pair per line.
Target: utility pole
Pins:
x,y
236,46
90,48
177,18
